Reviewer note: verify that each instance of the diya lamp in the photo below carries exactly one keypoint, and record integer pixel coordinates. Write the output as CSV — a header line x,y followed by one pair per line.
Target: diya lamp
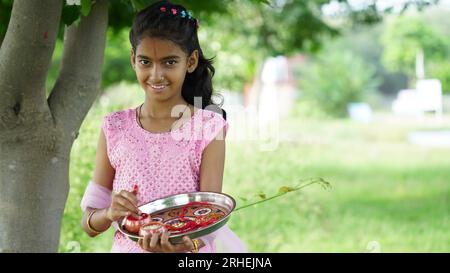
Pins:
x,y
133,224
152,228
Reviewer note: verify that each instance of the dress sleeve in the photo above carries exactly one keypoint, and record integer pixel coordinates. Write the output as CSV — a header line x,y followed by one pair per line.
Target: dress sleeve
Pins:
x,y
95,196
112,126
213,123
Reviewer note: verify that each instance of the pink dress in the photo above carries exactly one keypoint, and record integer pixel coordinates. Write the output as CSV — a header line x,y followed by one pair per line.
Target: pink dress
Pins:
x,y
160,164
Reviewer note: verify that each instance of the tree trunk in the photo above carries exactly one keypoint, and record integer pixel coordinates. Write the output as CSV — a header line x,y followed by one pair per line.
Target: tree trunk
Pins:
x,y
36,134
33,190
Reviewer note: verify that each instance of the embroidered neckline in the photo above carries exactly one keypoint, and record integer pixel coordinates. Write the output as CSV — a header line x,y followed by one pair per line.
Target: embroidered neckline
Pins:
x,y
136,124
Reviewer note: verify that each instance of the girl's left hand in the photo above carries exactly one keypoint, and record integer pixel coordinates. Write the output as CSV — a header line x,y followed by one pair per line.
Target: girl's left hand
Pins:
x,y
154,243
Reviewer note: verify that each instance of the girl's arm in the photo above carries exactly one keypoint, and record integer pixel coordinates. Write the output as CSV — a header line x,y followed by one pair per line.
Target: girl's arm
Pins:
x,y
212,166
104,176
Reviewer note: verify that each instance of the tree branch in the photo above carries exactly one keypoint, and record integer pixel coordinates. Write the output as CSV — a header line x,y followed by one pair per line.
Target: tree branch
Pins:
x,y
78,84
25,57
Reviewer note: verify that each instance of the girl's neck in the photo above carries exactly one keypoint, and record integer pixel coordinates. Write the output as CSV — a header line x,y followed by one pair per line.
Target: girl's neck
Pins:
x,y
160,110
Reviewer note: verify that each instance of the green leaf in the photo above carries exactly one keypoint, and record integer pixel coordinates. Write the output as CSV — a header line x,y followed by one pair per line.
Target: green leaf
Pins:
x,y
285,189
262,195
70,14
264,2
140,4
86,7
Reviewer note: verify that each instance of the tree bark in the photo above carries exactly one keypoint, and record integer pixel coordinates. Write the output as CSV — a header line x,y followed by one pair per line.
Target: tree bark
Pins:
x,y
78,84
36,134
25,57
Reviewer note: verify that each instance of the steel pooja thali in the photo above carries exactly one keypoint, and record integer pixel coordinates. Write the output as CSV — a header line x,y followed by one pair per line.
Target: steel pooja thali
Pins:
x,y
193,214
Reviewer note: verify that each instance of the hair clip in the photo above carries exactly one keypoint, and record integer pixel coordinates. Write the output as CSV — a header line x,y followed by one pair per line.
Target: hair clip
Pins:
x,y
183,14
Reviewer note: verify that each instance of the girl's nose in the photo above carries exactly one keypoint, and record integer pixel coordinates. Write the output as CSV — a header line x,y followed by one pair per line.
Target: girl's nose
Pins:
x,y
156,74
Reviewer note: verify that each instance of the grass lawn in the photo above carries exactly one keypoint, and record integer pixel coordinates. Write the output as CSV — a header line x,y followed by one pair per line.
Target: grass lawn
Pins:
x,y
387,195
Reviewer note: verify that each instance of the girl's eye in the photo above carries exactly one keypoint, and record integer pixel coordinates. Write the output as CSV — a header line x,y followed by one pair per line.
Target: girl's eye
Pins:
x,y
144,62
171,62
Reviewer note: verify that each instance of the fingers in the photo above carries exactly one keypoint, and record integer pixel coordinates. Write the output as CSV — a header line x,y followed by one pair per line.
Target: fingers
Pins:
x,y
130,197
160,243
145,243
184,246
141,243
154,241
165,244
125,205
116,214
150,243
124,202
187,243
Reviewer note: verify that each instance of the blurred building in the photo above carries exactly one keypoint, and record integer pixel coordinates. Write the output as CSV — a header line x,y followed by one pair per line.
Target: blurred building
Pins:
x,y
426,97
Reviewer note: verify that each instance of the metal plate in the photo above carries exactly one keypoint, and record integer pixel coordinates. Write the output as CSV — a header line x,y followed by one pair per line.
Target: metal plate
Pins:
x,y
172,203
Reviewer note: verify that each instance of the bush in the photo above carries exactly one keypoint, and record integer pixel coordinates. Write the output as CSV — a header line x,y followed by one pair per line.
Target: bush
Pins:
x,y
335,78
441,71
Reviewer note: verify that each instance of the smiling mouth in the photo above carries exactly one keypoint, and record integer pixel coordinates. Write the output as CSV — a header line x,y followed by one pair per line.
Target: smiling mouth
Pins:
x,y
158,87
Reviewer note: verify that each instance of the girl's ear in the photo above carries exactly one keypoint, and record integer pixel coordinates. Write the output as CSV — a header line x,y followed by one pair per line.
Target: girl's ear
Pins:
x,y
133,61
193,61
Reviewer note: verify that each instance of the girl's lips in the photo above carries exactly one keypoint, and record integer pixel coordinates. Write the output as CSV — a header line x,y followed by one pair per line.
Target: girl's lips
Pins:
x,y
158,88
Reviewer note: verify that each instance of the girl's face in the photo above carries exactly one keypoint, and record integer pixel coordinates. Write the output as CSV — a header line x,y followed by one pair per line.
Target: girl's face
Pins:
x,y
161,67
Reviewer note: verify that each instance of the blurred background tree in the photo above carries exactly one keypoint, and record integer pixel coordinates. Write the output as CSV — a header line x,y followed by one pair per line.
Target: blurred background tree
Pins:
x,y
405,37
348,79
239,34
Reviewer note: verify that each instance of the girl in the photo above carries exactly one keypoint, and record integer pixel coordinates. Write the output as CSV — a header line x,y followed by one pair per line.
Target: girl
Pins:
x,y
150,147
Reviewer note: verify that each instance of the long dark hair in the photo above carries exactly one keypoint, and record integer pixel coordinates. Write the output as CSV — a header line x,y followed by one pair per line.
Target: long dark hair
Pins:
x,y
159,21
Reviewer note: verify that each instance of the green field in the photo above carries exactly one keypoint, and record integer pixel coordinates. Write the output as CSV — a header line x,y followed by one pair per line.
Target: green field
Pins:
x,y
387,195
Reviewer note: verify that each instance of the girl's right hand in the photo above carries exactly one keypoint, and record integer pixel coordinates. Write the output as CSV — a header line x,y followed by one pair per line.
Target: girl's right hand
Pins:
x,y
123,204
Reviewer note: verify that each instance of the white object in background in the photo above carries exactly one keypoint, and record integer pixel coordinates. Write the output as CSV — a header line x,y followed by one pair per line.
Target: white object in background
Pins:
x,y
429,94
230,99
276,87
275,70
274,73
427,97
73,2
420,70
360,111
430,138
406,102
